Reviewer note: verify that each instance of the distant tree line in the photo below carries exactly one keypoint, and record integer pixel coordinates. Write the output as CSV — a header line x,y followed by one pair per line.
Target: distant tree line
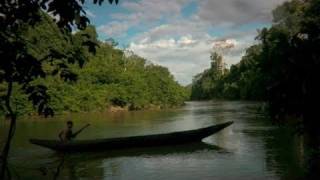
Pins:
x,y
240,81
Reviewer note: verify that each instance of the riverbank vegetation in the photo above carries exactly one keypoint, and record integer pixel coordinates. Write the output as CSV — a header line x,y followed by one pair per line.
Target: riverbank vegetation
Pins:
x,y
281,69
109,77
241,81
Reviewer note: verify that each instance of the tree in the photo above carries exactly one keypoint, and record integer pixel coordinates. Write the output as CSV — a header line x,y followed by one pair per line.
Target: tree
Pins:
x,y
209,84
290,60
19,66
291,63
217,64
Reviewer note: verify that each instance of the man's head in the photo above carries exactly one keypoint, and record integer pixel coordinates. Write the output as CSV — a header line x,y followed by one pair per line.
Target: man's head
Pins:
x,y
69,124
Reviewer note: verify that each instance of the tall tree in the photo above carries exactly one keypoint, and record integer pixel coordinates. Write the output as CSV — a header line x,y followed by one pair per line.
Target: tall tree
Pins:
x,y
19,66
217,64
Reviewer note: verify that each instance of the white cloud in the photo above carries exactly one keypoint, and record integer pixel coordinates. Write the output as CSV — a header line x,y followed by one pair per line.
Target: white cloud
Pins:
x,y
186,41
114,28
176,28
186,56
150,10
183,60
146,12
184,44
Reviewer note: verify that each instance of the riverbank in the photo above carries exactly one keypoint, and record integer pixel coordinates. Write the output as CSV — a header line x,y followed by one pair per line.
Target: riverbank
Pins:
x,y
111,109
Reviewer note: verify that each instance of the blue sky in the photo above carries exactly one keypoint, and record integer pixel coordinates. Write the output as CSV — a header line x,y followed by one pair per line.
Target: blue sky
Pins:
x,y
180,34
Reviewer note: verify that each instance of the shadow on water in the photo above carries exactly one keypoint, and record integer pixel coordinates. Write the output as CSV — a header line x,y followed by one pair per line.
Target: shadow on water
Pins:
x,y
284,152
69,165
289,155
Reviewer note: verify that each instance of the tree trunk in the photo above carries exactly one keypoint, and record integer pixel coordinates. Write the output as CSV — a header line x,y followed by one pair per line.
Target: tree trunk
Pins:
x,y
6,149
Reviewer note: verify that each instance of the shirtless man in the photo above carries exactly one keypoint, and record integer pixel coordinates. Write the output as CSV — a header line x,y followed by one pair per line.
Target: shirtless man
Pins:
x,y
67,135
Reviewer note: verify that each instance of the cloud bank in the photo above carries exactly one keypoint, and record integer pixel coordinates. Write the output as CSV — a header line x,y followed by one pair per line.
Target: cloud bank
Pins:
x,y
180,34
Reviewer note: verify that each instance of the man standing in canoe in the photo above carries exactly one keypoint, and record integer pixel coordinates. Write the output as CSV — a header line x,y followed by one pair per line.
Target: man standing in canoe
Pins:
x,y
67,135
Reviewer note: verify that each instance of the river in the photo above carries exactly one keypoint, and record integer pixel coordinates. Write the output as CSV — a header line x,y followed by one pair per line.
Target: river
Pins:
x,y
251,148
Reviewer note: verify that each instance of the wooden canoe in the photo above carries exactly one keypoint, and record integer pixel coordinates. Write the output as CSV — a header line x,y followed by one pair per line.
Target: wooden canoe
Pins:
x,y
174,138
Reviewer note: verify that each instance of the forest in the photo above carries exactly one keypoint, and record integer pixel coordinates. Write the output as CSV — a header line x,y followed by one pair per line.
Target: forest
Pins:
x,y
282,69
241,81
106,78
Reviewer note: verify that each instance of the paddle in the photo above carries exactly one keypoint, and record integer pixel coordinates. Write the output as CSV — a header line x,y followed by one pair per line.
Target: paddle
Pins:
x,y
80,130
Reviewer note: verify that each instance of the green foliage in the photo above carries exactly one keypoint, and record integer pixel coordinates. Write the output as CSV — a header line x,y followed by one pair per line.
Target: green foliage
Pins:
x,y
283,69
107,78
27,54
291,61
208,85
20,67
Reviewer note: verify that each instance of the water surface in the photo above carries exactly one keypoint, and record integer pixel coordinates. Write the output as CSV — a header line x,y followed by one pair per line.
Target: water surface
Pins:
x,y
252,148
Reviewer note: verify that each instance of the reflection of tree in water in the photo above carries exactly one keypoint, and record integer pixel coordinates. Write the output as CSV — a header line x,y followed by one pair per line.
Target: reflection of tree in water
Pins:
x,y
59,167
77,167
52,169
284,152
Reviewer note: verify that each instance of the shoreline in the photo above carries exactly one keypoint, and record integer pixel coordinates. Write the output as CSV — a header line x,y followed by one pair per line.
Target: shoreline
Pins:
x,y
109,109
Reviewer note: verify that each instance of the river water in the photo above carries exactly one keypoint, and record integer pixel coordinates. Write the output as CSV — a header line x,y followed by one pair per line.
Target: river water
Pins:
x,y
251,148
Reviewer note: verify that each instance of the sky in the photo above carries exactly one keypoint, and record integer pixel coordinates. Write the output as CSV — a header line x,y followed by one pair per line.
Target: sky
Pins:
x,y
180,34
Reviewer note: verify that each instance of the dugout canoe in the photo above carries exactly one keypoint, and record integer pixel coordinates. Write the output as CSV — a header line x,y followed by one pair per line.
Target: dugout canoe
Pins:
x,y
174,138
